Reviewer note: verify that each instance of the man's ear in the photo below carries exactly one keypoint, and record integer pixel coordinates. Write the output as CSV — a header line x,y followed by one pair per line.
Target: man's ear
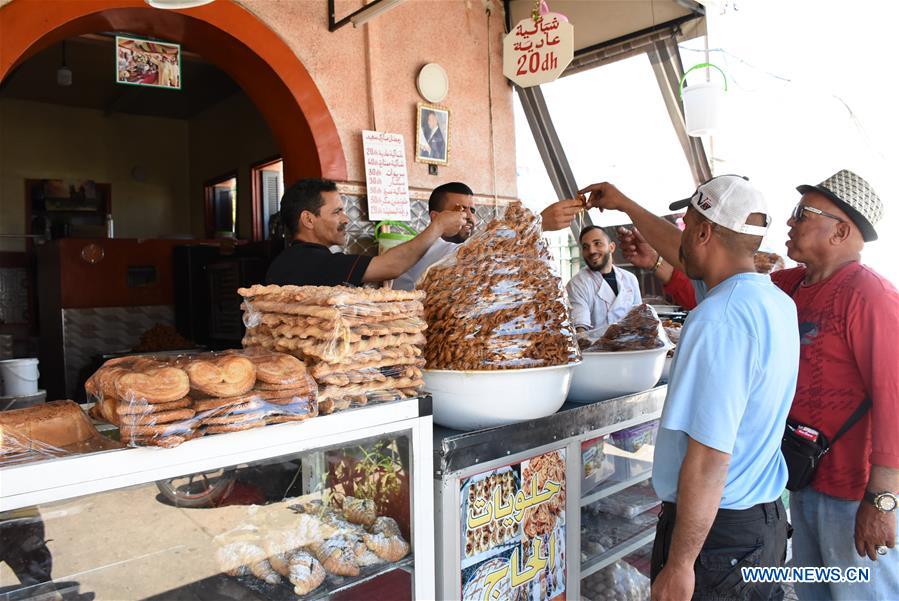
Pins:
x,y
307,219
705,232
841,233
433,214
612,247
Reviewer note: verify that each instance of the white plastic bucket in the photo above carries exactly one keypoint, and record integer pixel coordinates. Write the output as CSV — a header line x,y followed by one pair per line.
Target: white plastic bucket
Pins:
x,y
703,103
19,376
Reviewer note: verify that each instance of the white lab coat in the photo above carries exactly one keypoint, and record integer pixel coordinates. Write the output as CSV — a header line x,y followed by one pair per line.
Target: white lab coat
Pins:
x,y
438,250
594,304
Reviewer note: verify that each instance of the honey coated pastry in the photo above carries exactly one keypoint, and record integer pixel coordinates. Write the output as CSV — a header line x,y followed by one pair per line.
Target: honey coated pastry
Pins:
x,y
329,295
221,376
240,427
158,417
277,368
496,302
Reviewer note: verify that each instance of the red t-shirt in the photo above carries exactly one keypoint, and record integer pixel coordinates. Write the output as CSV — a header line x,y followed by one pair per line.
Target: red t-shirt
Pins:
x,y
680,289
849,336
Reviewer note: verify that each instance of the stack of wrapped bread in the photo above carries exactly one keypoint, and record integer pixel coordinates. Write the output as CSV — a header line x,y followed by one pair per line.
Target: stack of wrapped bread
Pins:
x,y
496,302
163,401
360,344
320,541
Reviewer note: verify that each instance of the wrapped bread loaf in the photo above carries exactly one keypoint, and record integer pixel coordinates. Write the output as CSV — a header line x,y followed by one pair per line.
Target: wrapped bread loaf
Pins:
x,y
496,302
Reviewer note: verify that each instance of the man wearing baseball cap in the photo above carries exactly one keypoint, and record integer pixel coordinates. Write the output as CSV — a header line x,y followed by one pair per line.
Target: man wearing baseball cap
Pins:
x,y
849,365
717,466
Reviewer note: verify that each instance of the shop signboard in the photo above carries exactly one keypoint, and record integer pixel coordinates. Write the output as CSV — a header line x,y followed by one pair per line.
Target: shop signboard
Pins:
x,y
148,63
513,531
537,52
386,178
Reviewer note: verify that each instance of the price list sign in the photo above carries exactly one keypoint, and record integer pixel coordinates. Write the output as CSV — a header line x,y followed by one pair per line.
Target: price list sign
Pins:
x,y
385,176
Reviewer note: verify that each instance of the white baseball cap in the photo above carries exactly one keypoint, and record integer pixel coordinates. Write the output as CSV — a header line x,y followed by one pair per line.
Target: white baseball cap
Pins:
x,y
728,200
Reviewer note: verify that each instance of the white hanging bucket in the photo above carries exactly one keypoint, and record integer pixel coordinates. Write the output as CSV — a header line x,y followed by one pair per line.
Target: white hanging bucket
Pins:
x,y
19,376
703,103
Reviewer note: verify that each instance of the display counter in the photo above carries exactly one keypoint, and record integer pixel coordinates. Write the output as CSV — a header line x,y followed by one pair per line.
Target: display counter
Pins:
x,y
203,520
559,507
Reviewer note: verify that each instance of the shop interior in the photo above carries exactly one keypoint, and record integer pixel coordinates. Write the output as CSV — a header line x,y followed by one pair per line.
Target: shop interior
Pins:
x,y
129,176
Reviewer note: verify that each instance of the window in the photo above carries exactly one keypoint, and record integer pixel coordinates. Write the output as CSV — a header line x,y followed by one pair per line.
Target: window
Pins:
x,y
221,207
268,186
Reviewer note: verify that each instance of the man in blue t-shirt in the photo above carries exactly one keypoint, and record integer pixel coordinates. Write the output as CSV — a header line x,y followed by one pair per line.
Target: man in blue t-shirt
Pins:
x,y
718,467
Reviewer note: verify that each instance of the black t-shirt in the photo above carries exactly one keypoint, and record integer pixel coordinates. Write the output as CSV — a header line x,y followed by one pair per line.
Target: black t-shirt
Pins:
x,y
612,281
308,264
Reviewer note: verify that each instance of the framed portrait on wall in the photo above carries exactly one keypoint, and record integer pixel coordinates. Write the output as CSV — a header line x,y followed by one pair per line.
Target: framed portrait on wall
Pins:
x,y
432,134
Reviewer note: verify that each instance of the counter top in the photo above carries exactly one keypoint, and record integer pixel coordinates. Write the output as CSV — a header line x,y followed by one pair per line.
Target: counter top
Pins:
x,y
455,450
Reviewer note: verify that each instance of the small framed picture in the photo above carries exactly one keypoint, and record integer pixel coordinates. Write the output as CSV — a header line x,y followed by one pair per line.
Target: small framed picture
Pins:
x,y
148,63
432,139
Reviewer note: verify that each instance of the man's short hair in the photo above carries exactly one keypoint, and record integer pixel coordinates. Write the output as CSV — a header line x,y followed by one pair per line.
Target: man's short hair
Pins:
x,y
438,196
304,195
589,229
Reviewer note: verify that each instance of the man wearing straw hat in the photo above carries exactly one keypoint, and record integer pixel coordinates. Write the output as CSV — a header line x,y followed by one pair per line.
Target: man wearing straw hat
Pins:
x,y
717,465
849,368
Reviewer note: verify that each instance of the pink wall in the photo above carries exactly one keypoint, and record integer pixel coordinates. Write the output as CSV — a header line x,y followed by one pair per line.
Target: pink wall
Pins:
x,y
367,78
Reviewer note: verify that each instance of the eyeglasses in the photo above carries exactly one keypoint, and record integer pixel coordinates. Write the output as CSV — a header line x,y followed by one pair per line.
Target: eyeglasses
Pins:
x,y
800,209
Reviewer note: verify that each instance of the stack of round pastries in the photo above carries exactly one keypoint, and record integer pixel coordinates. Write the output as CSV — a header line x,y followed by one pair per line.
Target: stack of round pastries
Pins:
x,y
163,401
360,344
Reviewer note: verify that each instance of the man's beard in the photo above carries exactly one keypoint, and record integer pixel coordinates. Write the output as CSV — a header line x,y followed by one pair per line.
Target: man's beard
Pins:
x,y
461,236
606,259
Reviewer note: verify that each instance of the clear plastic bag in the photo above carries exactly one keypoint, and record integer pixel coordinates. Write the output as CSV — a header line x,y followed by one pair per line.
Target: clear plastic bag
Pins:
x,y
55,429
496,303
619,582
166,400
362,345
640,329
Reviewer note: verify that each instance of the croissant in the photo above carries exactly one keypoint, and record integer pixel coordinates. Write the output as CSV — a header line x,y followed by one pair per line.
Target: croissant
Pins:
x,y
281,563
337,557
305,573
387,526
359,511
388,548
263,571
235,558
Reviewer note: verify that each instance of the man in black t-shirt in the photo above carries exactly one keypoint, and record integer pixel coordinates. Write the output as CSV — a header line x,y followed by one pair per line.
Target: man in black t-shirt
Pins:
x,y
312,212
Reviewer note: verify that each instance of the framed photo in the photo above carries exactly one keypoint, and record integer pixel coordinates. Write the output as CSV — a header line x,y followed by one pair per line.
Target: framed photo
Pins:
x,y
148,63
432,134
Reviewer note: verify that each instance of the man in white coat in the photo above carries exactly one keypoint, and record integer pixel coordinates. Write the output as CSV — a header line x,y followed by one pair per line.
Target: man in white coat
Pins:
x,y
601,293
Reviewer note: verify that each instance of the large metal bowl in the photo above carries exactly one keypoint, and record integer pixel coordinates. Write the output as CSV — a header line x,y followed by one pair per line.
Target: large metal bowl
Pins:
x,y
472,400
607,375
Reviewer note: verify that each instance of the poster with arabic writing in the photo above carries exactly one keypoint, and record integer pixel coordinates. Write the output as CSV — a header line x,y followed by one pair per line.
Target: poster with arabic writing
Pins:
x,y
386,178
513,531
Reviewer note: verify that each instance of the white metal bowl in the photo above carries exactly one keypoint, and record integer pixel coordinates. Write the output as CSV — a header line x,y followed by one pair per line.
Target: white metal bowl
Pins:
x,y
472,400
605,375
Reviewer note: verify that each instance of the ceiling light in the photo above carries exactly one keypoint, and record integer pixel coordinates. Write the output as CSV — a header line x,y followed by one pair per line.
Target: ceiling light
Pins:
x,y
372,10
176,4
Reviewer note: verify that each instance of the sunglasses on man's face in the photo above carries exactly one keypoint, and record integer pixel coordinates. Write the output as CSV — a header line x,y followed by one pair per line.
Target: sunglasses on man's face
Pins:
x,y
800,210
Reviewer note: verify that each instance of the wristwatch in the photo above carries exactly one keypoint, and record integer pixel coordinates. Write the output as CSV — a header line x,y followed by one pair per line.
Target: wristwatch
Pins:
x,y
884,501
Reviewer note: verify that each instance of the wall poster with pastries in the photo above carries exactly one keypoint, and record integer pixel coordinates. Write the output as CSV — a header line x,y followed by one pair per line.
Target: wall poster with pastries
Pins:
x,y
513,531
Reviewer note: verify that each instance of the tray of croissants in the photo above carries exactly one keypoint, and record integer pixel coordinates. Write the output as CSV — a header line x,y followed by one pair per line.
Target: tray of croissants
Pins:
x,y
166,400
320,549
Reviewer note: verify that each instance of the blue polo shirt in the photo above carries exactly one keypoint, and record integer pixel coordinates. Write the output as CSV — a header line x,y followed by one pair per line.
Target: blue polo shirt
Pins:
x,y
731,386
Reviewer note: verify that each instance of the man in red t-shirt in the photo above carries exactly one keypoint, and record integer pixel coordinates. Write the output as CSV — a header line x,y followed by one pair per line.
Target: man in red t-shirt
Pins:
x,y
849,329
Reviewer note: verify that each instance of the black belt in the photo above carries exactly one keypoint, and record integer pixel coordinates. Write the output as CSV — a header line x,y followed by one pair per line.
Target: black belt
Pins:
x,y
768,511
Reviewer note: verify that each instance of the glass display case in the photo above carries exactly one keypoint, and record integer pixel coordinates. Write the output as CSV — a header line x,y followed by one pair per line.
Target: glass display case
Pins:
x,y
337,507
555,508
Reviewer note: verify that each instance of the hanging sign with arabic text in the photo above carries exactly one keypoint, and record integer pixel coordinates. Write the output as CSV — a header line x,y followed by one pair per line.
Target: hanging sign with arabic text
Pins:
x,y
537,52
513,531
